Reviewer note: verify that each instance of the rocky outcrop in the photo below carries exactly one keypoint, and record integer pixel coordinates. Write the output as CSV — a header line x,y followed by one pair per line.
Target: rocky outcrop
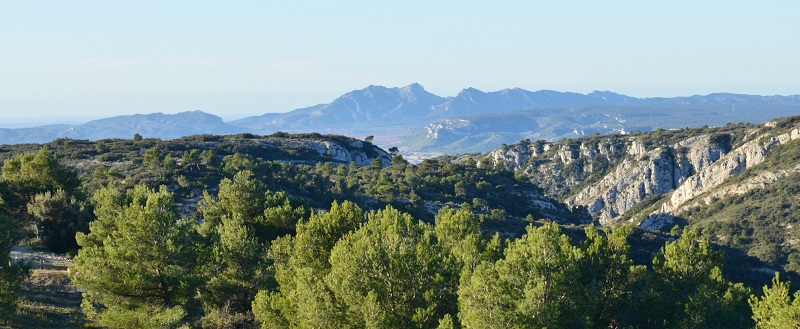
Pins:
x,y
338,152
747,156
632,173
662,219
612,175
657,172
511,157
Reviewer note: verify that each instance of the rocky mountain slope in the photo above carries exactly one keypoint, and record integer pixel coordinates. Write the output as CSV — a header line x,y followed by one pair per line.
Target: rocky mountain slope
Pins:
x,y
612,174
677,177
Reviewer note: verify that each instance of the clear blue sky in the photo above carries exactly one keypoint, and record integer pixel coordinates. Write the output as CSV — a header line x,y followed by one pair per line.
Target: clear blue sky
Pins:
x,y
84,59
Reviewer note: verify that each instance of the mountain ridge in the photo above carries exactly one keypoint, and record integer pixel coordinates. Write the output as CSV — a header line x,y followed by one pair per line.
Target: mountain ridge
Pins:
x,y
416,120
157,125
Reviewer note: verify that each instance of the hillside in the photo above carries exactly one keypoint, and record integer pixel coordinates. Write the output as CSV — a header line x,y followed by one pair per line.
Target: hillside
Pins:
x,y
315,168
242,217
736,181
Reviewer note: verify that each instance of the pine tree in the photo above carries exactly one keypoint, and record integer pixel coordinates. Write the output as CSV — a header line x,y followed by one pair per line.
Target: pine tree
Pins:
x,y
11,275
58,218
137,264
28,174
689,286
236,268
608,278
391,273
531,287
777,309
301,263
459,233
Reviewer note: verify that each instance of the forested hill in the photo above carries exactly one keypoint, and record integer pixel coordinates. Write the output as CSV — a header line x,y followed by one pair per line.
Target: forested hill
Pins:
x,y
308,230
315,168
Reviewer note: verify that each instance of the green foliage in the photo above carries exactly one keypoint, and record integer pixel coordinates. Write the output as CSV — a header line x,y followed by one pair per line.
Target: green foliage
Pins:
x,y
225,318
11,275
691,289
261,257
459,233
199,163
544,281
239,224
529,287
159,161
100,147
281,214
239,162
301,263
30,173
241,196
41,190
391,273
137,264
58,218
776,309
236,271
40,171
762,222
609,279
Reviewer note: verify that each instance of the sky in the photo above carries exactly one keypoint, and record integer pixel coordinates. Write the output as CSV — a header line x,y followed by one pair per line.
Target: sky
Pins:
x,y
71,61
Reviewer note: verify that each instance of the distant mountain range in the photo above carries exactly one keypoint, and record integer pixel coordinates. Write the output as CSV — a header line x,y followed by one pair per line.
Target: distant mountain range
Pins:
x,y
412,104
158,125
416,120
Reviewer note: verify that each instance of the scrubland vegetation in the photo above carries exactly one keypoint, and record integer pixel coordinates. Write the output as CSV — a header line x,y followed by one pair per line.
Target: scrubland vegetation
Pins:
x,y
218,232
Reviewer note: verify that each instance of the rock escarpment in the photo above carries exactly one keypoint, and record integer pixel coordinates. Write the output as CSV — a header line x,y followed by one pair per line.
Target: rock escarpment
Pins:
x,y
652,175
711,181
657,172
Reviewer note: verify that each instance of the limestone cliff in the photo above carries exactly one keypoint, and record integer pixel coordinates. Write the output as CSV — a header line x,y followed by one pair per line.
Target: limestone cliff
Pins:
x,y
710,182
616,176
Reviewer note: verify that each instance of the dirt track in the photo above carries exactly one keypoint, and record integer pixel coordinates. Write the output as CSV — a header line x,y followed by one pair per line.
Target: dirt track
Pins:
x,y
47,298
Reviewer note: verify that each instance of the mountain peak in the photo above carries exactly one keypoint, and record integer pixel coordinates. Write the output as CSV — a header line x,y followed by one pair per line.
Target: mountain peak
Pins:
x,y
413,92
469,90
413,87
609,96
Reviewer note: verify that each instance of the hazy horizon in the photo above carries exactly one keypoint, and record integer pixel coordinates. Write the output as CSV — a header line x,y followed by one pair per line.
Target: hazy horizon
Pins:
x,y
23,121
101,59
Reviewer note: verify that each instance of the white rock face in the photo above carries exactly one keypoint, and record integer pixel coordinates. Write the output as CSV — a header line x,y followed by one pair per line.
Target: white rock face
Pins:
x,y
658,221
656,172
511,157
636,148
687,172
341,154
356,152
746,156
